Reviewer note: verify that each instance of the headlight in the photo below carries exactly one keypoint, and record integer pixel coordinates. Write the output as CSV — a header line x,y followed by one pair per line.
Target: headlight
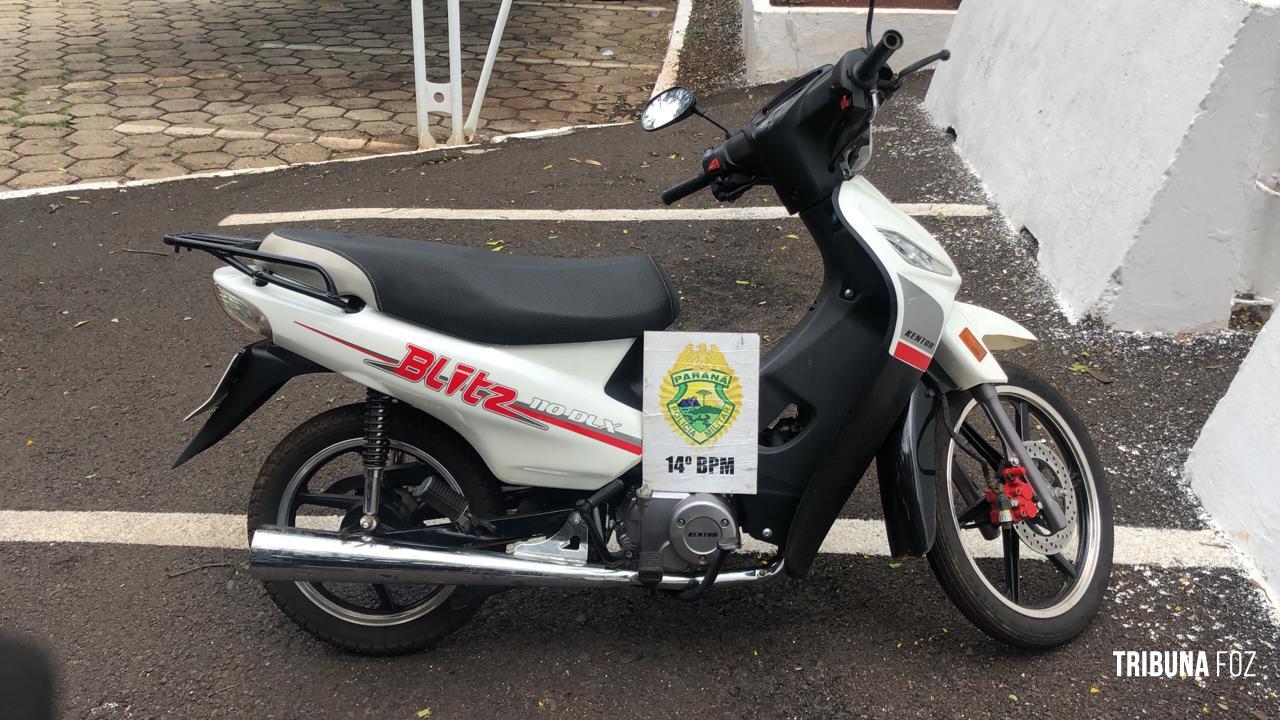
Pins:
x,y
242,312
913,253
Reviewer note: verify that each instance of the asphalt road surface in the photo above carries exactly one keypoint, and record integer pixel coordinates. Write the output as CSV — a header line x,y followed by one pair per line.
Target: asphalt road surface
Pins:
x,y
107,345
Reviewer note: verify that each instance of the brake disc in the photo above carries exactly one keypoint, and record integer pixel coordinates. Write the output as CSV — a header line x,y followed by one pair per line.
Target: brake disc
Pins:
x,y
1054,469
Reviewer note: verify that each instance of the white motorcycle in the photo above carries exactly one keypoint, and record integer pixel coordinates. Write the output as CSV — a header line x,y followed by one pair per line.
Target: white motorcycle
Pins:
x,y
500,441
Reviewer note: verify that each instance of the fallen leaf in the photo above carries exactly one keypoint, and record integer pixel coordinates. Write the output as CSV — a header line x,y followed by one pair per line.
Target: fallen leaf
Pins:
x,y
593,162
792,236
82,322
1100,376
1013,697
496,248
1078,368
30,443
547,167
424,712
742,282
115,320
494,242
895,565
1094,691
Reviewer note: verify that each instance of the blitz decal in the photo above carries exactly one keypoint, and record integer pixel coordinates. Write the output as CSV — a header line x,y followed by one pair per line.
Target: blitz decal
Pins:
x,y
474,386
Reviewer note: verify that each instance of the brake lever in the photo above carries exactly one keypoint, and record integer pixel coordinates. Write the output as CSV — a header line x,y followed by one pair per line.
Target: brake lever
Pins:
x,y
941,55
728,188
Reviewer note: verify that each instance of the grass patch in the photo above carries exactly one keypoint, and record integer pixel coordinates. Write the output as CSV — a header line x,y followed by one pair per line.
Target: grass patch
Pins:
x,y
22,122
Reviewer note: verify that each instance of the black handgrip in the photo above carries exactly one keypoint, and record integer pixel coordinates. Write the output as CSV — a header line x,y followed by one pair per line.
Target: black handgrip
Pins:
x,y
867,71
686,187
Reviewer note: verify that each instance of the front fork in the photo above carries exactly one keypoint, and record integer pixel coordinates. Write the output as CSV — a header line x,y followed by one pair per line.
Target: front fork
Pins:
x,y
1016,455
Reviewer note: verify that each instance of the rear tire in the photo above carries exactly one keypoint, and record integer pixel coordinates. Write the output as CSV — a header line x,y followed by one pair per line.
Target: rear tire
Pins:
x,y
307,604
1005,614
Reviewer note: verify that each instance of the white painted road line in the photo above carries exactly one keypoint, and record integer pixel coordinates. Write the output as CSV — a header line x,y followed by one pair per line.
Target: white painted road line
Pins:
x,y
758,212
1134,545
671,61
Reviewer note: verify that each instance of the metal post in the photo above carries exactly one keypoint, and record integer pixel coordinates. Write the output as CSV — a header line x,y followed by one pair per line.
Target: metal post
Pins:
x,y
422,93
499,27
455,74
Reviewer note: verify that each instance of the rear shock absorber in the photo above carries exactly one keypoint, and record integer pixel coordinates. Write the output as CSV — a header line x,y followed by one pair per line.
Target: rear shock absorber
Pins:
x,y
377,446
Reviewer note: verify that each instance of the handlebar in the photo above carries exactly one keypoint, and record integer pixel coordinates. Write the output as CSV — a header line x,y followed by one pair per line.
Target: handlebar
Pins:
x,y
868,71
687,187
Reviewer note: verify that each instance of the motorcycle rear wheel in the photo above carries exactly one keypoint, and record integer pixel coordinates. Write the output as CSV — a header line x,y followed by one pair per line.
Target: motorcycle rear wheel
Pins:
x,y
317,467
984,569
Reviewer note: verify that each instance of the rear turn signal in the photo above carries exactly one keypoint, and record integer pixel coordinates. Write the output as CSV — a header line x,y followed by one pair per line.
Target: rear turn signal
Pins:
x,y
242,311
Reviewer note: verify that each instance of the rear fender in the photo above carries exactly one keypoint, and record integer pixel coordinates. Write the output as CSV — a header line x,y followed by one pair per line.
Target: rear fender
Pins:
x,y
256,373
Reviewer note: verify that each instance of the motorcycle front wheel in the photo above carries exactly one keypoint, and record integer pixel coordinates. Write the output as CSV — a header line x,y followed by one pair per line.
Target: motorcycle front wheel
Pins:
x,y
1022,584
314,479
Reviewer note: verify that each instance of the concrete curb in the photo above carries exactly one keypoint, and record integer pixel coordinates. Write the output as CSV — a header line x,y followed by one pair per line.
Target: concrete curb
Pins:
x,y
782,42
84,187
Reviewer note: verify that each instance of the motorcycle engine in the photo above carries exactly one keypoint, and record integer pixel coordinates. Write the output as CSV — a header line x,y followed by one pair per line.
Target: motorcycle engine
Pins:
x,y
678,533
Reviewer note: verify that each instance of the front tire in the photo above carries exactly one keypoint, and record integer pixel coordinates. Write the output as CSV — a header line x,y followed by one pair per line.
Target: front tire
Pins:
x,y
312,479
1031,605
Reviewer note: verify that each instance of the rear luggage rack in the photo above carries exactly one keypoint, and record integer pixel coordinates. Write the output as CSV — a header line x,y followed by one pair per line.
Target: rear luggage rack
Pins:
x,y
230,249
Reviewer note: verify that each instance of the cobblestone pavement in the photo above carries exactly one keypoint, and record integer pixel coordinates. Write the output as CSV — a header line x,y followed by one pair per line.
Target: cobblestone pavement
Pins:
x,y
130,89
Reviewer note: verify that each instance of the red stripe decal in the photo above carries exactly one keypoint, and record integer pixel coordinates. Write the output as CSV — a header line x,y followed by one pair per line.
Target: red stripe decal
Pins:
x,y
911,356
594,435
353,346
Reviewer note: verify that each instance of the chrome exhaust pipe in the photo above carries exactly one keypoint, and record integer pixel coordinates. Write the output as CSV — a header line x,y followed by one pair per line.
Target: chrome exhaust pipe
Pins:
x,y
296,554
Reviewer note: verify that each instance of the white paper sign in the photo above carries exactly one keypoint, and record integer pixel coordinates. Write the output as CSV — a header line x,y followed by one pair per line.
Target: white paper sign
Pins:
x,y
701,410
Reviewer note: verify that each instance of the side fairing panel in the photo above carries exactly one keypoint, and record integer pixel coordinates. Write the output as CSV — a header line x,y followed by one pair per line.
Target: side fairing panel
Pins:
x,y
924,297
537,414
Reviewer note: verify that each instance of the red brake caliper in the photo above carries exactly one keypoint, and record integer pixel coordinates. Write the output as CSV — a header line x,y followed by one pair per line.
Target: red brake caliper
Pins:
x,y
1018,490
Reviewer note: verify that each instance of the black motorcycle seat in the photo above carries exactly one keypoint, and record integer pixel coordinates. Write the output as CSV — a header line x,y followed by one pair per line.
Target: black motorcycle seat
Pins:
x,y
487,296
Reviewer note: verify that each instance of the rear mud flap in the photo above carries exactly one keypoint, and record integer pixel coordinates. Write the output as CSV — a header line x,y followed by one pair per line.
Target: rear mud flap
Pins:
x,y
254,375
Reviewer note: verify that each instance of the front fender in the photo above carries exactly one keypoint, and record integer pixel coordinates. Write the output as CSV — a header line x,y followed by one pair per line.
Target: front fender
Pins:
x,y
969,336
905,467
256,373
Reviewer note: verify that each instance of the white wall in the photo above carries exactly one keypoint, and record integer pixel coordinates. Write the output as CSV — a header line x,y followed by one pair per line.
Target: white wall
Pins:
x,y
781,43
1235,464
1205,230
1126,137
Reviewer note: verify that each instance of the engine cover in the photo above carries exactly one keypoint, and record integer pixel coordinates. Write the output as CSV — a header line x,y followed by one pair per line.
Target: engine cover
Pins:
x,y
677,533
701,526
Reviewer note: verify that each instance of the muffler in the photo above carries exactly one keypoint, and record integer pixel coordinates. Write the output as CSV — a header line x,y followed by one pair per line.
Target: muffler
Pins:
x,y
296,554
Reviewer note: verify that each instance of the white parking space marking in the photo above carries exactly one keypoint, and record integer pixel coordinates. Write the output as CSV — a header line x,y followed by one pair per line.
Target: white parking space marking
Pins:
x,y
1134,545
758,212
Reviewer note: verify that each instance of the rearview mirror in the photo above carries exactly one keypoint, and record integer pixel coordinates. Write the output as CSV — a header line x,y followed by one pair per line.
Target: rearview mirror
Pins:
x,y
667,107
